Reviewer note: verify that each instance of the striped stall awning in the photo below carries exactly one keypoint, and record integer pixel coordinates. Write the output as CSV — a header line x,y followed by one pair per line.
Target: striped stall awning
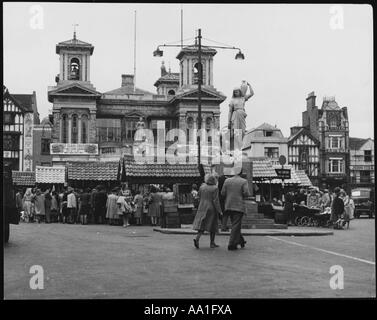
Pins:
x,y
93,171
50,174
23,178
263,169
304,179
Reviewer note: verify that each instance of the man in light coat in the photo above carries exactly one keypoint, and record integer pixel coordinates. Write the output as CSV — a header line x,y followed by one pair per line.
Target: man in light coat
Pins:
x,y
235,190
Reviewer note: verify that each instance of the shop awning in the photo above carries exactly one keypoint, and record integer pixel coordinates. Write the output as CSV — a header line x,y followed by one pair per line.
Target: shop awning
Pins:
x,y
298,177
93,171
23,178
134,171
304,179
50,174
263,169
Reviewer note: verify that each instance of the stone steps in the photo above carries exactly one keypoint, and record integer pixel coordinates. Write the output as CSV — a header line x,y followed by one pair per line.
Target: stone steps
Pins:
x,y
265,226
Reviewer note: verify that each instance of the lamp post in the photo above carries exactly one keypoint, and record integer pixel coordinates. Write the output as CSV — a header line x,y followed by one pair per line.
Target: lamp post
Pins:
x,y
198,43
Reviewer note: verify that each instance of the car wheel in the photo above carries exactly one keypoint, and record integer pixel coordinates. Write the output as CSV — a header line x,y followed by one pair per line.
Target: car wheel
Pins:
x,y
304,221
6,232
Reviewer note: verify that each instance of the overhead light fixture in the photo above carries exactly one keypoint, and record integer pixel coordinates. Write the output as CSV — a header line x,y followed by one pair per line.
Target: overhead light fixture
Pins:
x,y
240,56
158,52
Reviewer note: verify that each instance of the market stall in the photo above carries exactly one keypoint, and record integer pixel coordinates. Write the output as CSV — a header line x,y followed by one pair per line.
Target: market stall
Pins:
x,y
178,177
50,177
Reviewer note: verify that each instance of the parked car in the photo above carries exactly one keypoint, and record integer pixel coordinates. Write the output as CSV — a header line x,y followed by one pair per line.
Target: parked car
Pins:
x,y
364,204
10,213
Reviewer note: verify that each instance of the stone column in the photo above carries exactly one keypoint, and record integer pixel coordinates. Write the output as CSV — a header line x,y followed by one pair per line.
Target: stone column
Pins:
x,y
79,130
61,75
92,127
69,128
66,67
88,68
83,67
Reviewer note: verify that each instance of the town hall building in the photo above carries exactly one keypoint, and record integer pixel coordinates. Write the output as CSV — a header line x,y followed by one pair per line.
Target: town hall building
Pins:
x,y
97,129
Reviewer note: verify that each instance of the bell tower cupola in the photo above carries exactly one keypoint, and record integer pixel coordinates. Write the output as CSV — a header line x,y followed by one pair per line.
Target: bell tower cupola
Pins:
x,y
74,61
189,66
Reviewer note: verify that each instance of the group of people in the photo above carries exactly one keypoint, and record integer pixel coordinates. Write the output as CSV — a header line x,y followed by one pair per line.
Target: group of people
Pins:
x,y
78,206
220,198
338,204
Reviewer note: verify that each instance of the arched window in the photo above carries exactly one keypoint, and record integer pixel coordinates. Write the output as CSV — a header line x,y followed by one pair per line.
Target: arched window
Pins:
x,y
74,129
190,123
196,72
208,123
171,92
64,128
74,69
84,128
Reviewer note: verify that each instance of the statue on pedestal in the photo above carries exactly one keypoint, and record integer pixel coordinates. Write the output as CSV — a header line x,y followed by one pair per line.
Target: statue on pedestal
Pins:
x,y
237,113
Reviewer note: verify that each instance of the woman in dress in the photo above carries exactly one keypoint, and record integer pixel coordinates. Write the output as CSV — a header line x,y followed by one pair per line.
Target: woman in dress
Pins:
x,y
237,114
48,199
349,208
54,206
112,207
84,206
154,209
139,204
209,210
39,205
28,198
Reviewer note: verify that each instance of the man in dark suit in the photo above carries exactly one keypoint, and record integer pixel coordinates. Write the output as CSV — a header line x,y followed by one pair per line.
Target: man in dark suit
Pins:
x,y
225,217
235,190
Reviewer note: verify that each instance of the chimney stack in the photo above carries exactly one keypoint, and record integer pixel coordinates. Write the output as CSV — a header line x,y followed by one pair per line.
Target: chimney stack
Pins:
x,y
128,80
295,129
310,100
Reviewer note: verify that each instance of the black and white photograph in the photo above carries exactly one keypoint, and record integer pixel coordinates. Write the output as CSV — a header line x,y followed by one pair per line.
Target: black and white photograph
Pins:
x,y
184,151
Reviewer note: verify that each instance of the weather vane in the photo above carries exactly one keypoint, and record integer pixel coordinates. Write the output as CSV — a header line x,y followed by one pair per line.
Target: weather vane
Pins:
x,y
74,30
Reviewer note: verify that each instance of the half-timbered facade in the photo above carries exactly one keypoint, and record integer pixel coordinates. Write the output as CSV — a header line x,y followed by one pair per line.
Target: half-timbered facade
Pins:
x,y
19,116
303,152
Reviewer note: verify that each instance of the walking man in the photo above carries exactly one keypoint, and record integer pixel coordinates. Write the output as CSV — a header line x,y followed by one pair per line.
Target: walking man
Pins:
x,y
235,190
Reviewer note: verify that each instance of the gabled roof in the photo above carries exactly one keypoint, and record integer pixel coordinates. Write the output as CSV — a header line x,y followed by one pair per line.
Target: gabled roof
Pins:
x,y
74,43
25,101
303,131
192,93
170,77
266,126
194,49
73,89
128,90
356,143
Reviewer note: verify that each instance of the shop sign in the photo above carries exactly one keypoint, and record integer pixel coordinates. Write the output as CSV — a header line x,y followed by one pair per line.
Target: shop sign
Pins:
x,y
283,173
74,148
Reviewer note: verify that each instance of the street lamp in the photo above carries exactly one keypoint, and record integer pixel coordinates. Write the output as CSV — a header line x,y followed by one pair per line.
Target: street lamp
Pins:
x,y
198,44
158,52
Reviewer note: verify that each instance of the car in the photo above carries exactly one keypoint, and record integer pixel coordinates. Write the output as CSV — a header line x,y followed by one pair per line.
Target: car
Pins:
x,y
363,202
10,213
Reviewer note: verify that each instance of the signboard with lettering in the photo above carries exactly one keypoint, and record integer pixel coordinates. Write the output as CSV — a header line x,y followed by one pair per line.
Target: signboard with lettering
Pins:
x,y
283,173
74,148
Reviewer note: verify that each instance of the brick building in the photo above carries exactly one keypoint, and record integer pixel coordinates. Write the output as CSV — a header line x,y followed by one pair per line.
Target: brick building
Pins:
x,y
362,162
329,124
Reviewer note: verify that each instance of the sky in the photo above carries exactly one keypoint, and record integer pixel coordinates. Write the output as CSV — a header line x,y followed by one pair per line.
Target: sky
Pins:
x,y
290,51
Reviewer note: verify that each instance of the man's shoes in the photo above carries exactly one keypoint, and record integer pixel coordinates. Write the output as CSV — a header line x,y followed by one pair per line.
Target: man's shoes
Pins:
x,y
196,243
242,244
213,245
232,248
